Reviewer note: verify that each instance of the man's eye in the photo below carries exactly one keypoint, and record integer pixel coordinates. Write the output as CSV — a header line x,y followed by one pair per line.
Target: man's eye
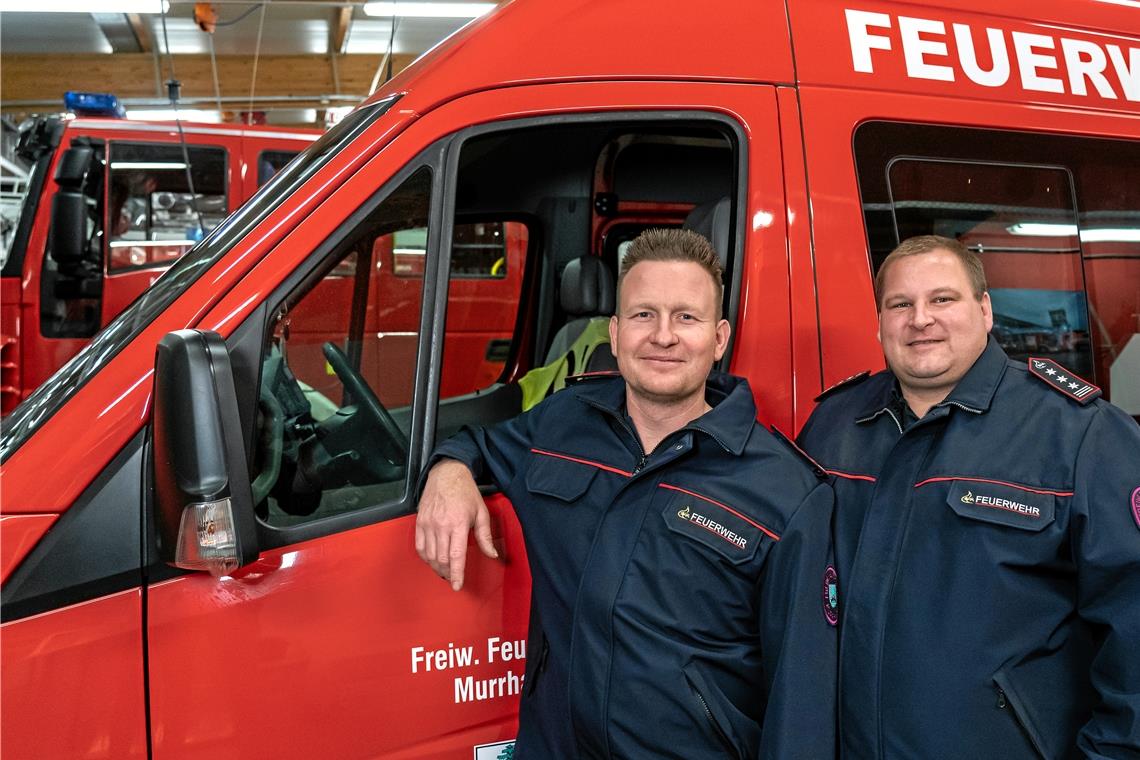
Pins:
x,y
943,299
686,317
899,305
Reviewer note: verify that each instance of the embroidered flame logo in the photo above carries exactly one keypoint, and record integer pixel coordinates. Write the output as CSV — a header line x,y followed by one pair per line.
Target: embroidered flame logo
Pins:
x,y
684,513
1039,364
968,497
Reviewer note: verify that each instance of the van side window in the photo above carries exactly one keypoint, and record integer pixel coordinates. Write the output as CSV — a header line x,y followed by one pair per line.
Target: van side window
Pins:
x,y
269,162
1055,219
152,216
337,376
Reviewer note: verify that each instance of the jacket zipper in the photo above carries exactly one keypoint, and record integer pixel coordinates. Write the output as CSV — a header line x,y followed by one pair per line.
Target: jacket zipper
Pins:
x,y
641,463
643,457
1004,703
716,726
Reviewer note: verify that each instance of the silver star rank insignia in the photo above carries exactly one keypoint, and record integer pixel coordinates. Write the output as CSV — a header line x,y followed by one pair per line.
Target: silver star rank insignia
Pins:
x,y
1060,379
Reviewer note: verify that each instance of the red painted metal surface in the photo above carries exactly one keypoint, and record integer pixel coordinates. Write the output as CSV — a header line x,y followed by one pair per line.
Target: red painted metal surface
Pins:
x,y
10,374
73,684
806,371
719,40
327,650
1053,52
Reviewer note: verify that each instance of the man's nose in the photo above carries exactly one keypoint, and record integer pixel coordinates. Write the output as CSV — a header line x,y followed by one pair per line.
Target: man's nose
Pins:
x,y
663,333
921,317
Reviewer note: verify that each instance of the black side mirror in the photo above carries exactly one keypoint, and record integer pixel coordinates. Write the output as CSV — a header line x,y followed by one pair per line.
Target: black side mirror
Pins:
x,y
67,234
202,496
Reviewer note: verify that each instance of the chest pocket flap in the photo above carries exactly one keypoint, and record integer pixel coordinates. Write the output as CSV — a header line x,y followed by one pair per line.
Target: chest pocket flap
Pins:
x,y
563,479
1001,504
718,526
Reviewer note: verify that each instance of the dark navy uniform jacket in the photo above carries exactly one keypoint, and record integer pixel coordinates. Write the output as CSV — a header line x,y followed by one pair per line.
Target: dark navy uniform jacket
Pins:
x,y
678,600
989,558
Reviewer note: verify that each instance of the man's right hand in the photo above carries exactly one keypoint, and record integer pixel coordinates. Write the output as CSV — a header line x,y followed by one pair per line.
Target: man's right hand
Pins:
x,y
449,506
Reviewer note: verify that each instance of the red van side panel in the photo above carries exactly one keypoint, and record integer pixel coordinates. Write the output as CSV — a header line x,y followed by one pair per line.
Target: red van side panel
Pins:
x,y
73,683
323,650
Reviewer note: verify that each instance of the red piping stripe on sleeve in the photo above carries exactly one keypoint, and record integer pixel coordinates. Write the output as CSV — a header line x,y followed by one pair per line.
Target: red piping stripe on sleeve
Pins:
x,y
725,507
569,458
998,483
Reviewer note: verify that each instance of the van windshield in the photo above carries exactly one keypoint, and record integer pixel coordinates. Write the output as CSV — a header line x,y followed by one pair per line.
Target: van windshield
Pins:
x,y
50,396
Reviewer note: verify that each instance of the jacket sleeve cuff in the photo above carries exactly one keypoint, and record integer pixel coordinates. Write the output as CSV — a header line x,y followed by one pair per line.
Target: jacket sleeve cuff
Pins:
x,y
460,447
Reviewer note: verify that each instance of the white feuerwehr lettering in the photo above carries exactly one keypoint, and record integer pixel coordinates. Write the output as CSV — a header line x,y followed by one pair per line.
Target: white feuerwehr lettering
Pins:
x,y
926,56
916,48
862,41
1029,61
1085,60
996,76
1129,72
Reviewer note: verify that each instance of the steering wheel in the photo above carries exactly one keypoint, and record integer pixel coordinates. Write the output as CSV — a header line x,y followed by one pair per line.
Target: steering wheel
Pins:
x,y
272,443
391,441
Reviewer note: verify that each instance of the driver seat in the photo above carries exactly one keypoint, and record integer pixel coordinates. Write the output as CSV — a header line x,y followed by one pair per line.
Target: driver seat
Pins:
x,y
587,292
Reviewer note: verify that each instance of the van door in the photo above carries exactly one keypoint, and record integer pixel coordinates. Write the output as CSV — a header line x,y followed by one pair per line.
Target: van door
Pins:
x,y
338,641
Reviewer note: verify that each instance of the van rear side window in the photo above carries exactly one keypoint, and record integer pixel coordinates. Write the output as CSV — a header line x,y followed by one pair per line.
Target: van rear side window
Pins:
x,y
1055,219
159,207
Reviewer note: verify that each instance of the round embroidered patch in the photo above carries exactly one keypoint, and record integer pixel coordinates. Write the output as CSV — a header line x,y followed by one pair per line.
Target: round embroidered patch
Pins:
x,y
831,595
1136,506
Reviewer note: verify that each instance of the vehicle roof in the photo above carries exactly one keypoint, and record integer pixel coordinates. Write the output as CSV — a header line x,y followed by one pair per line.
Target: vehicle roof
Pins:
x,y
733,40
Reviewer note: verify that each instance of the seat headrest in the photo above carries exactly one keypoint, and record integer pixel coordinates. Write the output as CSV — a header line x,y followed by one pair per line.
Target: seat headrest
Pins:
x,y
714,221
587,287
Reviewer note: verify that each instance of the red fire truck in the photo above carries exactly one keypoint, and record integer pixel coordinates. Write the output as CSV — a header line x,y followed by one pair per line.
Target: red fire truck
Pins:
x,y
207,514
108,205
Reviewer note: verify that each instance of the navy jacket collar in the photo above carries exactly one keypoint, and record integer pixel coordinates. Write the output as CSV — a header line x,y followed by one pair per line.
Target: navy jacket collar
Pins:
x,y
974,392
729,422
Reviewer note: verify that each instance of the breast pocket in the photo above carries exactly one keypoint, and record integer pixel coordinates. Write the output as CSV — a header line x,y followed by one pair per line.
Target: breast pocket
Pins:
x,y
725,529
562,479
1002,504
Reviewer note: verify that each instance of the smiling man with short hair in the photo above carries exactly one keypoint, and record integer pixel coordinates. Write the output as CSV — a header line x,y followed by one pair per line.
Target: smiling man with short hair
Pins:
x,y
679,551
987,536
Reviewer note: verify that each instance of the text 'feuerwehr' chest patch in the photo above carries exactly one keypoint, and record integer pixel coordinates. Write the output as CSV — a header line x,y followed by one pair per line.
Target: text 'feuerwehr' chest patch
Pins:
x,y
1002,504
713,523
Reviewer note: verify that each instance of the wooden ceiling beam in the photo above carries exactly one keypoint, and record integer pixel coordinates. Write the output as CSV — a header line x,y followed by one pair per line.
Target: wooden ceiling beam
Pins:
x,y
338,29
142,32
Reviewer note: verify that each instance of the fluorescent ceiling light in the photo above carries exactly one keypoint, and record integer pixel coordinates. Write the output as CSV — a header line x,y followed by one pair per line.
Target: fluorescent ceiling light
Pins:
x,y
1091,235
1106,235
425,10
1042,229
155,165
151,243
185,114
79,6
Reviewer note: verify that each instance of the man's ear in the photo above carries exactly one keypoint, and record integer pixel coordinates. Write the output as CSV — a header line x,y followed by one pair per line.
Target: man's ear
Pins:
x,y
988,311
723,331
613,334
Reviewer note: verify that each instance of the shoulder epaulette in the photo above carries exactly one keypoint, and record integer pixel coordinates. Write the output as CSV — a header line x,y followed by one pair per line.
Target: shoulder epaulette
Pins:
x,y
599,375
858,377
1062,380
816,467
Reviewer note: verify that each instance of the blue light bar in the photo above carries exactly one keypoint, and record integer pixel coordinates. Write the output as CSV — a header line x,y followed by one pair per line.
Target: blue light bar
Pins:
x,y
93,104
